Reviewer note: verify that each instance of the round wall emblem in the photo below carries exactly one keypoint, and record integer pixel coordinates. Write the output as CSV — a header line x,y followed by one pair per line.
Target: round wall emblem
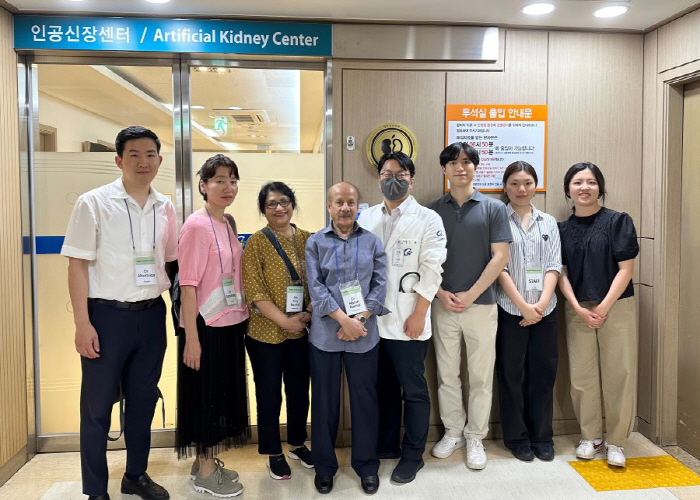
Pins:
x,y
390,138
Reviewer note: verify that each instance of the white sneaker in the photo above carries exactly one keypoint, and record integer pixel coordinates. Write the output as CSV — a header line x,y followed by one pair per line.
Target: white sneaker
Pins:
x,y
476,456
587,449
447,446
616,455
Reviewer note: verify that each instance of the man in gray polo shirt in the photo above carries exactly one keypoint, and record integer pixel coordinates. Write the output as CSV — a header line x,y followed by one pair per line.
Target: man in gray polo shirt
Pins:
x,y
478,238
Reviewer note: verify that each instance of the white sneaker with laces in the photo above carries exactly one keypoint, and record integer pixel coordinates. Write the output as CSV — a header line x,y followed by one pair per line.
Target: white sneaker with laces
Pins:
x,y
447,446
588,449
476,456
616,455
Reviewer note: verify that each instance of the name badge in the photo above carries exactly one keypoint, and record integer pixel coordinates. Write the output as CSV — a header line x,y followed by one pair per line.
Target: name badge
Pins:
x,y
295,298
352,297
533,279
145,270
229,291
397,257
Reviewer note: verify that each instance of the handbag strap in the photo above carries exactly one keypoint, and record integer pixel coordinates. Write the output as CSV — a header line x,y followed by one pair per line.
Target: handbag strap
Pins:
x,y
232,222
290,267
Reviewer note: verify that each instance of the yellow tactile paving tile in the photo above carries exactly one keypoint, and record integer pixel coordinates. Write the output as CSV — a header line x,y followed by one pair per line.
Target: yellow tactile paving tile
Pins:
x,y
640,473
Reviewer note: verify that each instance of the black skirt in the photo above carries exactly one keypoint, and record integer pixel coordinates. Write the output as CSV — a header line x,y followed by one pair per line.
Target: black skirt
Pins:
x,y
212,402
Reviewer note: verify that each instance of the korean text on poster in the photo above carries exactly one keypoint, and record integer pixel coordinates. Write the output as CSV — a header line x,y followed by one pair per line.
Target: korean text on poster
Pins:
x,y
501,134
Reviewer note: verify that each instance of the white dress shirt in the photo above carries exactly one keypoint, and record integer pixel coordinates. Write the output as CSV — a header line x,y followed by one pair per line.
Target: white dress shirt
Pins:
x,y
100,232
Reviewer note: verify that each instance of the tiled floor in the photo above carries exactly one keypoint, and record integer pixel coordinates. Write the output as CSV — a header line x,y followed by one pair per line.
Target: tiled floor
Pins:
x,y
57,477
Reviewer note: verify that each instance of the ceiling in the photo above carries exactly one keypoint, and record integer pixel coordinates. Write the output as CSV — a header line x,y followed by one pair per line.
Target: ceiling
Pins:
x,y
577,14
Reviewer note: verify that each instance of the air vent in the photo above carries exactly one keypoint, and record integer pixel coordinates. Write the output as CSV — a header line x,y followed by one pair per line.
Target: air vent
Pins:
x,y
245,116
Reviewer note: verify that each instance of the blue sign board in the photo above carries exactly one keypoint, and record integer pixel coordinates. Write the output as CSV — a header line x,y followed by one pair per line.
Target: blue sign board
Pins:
x,y
172,35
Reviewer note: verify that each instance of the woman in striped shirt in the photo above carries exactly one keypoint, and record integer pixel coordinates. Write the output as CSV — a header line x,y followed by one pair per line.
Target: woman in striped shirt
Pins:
x,y
526,343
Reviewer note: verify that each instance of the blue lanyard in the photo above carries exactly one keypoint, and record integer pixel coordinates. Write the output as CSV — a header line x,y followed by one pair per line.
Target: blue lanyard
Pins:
x,y
131,227
357,257
221,262
539,246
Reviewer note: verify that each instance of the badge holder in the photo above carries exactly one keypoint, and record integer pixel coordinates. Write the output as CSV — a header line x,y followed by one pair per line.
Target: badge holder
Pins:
x,y
351,292
229,290
145,269
533,279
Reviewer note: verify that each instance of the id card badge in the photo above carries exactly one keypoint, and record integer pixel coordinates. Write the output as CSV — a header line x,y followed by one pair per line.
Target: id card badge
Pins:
x,y
295,298
533,279
145,270
229,291
352,297
397,257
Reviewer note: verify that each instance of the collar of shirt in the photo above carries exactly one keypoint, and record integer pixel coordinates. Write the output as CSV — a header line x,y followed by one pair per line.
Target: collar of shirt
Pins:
x,y
476,196
117,191
400,209
536,215
329,229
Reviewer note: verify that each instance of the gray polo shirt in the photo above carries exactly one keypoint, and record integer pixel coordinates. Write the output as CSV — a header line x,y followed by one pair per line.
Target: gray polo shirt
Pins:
x,y
470,230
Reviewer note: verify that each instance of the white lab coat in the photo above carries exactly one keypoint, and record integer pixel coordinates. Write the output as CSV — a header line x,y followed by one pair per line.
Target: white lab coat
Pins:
x,y
417,244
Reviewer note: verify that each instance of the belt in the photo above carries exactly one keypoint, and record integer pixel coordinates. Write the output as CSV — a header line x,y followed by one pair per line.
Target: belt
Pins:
x,y
139,305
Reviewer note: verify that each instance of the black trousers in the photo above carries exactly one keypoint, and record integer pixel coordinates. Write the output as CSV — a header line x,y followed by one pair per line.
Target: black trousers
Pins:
x,y
361,373
526,366
271,363
132,347
401,389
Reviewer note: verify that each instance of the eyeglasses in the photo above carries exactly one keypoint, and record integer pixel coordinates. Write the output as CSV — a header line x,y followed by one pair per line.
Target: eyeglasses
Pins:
x,y
399,176
271,205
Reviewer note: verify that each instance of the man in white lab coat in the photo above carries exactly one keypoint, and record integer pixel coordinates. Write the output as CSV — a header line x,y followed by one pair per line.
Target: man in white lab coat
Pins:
x,y
414,241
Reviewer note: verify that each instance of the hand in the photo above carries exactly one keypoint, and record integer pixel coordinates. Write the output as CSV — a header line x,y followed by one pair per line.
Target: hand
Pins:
x,y
601,311
541,307
591,319
530,314
353,328
86,341
467,298
450,301
414,325
343,336
294,323
193,353
304,316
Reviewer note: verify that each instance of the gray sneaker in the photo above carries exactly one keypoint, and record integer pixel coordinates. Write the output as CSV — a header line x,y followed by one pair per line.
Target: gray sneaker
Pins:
x,y
230,474
216,484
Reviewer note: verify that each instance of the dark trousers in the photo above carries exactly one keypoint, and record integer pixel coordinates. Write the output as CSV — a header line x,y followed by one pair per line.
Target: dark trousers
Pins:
x,y
402,386
526,366
132,347
271,363
361,373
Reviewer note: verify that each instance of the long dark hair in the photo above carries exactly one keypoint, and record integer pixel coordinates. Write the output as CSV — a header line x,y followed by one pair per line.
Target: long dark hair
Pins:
x,y
578,167
514,168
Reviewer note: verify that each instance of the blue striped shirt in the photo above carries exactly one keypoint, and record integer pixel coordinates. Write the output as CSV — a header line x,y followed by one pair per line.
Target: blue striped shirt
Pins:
x,y
538,246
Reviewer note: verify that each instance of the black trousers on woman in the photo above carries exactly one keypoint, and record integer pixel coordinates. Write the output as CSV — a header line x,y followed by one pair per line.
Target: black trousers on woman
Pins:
x,y
271,364
526,366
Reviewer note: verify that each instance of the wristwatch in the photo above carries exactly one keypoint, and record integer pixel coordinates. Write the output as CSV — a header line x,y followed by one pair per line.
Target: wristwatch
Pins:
x,y
361,318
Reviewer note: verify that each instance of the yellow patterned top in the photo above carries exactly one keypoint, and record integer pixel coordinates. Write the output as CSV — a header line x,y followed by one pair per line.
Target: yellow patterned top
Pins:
x,y
265,277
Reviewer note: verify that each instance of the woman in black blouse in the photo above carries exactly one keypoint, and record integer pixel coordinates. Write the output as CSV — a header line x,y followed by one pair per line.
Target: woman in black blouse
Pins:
x,y
598,250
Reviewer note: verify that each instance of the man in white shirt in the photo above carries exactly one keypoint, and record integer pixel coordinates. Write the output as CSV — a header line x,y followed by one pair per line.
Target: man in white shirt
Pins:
x,y
414,241
118,240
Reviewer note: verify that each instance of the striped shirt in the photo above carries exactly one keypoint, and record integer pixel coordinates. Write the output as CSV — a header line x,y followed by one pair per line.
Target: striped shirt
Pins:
x,y
539,246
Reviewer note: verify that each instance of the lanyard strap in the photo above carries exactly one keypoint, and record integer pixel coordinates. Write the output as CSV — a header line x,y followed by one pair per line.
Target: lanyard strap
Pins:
x,y
131,227
357,257
221,262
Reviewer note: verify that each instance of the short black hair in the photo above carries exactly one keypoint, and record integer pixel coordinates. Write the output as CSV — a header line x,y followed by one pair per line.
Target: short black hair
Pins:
x,y
585,165
451,153
519,166
131,133
402,159
278,187
208,170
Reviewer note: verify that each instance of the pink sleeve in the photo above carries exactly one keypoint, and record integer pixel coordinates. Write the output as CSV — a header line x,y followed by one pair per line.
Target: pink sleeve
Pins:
x,y
192,253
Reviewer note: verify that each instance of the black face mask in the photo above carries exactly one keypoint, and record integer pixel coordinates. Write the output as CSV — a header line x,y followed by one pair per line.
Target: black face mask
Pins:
x,y
394,189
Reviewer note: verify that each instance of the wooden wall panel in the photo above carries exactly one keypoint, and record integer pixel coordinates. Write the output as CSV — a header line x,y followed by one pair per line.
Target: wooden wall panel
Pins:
x,y
415,99
649,140
13,406
595,114
679,41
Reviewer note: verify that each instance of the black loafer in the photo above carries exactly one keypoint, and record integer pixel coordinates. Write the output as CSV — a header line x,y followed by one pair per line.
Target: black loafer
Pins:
x,y
544,452
145,487
324,484
99,497
406,470
523,453
370,484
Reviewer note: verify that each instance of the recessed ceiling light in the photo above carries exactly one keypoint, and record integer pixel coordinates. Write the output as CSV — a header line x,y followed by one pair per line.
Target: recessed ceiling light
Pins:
x,y
256,135
158,1
197,107
235,108
538,9
611,11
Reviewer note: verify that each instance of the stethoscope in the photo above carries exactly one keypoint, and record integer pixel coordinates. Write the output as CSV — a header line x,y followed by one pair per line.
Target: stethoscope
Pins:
x,y
401,290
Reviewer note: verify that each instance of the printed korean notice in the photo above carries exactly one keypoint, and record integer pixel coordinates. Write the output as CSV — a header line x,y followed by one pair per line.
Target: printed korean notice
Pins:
x,y
501,134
